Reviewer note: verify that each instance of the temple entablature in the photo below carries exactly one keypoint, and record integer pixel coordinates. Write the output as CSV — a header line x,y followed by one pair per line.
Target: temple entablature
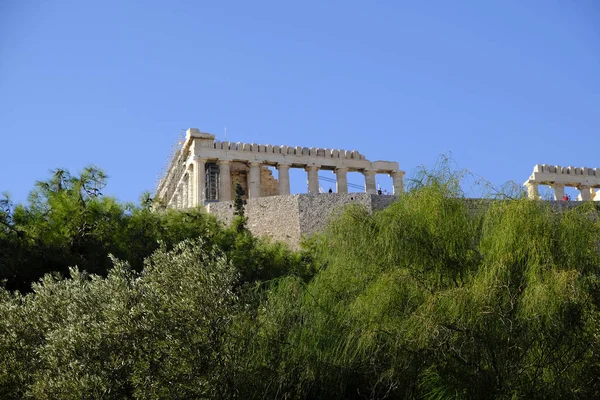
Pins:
x,y
211,169
586,180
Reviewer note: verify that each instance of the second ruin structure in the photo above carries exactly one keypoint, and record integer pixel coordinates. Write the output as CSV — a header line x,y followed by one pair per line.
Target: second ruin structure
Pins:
x,y
586,180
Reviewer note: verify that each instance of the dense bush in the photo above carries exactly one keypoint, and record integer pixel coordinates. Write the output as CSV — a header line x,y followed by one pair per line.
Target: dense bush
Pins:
x,y
435,297
68,222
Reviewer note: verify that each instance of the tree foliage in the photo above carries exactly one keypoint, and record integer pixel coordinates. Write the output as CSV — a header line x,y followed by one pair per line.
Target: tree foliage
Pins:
x,y
69,222
436,297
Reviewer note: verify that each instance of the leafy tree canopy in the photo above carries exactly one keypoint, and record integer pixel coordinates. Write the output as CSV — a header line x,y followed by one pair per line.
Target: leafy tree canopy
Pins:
x,y
436,297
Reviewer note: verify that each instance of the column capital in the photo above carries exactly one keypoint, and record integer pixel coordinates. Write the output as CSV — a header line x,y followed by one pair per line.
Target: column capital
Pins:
x,y
284,165
254,163
369,172
398,174
341,169
223,162
312,167
201,160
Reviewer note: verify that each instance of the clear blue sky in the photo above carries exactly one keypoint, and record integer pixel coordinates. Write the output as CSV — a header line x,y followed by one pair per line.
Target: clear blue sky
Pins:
x,y
502,85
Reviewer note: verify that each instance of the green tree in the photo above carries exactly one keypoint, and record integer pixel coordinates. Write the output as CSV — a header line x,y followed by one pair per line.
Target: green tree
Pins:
x,y
439,297
67,221
158,334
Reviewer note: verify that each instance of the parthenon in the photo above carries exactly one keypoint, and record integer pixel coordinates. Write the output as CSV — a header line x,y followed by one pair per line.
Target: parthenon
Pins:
x,y
586,180
205,170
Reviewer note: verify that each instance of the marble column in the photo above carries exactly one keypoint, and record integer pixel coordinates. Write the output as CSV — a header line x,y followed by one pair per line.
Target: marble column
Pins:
x,y
199,181
254,180
370,185
179,202
559,191
341,184
313,178
398,182
532,190
585,192
190,186
184,192
224,180
284,178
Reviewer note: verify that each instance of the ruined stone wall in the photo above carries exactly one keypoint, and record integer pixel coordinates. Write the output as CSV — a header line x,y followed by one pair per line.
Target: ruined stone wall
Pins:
x,y
275,217
239,175
381,202
316,210
289,218
269,186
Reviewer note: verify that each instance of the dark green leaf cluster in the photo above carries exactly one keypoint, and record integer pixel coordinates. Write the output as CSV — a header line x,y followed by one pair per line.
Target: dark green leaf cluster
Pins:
x,y
68,222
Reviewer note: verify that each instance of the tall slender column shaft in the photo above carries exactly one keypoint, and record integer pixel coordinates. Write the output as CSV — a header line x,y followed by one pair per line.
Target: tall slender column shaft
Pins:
x,y
313,178
592,193
284,178
254,181
190,185
532,190
179,202
199,181
184,192
341,181
398,182
559,191
224,180
370,185
585,193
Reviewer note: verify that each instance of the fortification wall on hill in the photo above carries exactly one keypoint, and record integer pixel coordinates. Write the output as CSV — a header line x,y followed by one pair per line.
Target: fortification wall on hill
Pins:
x,y
289,218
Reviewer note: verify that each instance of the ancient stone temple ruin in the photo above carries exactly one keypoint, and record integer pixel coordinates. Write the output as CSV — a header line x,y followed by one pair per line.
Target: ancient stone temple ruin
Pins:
x,y
205,170
586,180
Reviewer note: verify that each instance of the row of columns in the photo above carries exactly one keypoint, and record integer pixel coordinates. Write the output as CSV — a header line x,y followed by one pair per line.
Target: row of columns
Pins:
x,y
342,180
192,189
586,192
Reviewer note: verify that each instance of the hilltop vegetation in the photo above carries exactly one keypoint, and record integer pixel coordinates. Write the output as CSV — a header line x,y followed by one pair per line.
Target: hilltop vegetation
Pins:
x,y
434,297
